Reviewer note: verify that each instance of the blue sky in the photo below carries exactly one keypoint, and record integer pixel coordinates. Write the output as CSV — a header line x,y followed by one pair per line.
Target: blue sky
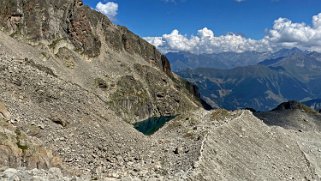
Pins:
x,y
251,19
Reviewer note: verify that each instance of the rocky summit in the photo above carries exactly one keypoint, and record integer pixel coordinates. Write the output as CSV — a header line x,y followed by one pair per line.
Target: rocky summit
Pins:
x,y
74,86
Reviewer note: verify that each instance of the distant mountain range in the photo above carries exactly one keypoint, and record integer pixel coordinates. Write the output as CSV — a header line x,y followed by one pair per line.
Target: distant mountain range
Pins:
x,y
314,104
181,61
252,80
228,60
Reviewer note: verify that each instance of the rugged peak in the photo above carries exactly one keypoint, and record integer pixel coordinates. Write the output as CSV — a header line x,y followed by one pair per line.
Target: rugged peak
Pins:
x,y
293,105
52,24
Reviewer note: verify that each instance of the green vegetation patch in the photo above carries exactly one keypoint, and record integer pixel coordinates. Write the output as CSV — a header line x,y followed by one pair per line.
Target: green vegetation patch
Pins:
x,y
220,114
130,98
21,140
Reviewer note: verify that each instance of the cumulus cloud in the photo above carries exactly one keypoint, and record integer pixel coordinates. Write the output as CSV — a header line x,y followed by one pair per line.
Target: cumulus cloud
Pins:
x,y
206,42
286,33
283,34
110,9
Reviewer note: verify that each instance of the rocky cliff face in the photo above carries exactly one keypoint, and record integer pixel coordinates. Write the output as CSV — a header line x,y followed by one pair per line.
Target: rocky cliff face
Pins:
x,y
68,23
83,46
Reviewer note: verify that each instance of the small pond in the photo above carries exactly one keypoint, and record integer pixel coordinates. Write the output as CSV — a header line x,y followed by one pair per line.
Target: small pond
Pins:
x,y
151,125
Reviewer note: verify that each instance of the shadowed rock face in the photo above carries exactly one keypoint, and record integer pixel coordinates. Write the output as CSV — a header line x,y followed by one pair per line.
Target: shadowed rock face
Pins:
x,y
292,105
63,20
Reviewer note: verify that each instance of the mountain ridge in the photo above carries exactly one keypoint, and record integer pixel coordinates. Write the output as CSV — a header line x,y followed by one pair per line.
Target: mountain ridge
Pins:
x,y
289,74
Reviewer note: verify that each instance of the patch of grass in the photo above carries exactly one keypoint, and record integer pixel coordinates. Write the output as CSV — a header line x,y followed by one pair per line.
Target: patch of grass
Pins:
x,y
308,110
193,122
69,64
130,98
3,137
21,146
220,114
4,123
20,136
33,130
55,42
174,124
189,135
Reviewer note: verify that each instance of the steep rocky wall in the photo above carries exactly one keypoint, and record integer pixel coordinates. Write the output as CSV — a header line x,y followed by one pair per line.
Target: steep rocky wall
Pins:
x,y
48,22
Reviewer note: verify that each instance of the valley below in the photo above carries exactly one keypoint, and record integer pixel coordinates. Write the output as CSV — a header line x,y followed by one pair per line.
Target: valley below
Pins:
x,y
261,84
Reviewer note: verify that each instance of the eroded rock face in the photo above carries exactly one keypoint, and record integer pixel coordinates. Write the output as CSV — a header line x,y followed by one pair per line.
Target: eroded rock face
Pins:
x,y
17,149
52,22
4,112
69,33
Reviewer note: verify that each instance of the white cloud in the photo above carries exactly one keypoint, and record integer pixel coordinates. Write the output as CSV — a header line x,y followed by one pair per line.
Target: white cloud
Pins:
x,y
286,33
109,9
317,21
156,41
283,34
239,1
206,42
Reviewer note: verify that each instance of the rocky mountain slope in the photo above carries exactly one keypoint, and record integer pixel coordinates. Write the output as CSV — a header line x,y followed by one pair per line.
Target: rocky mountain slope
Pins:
x,y
84,47
73,85
75,82
304,66
289,74
256,86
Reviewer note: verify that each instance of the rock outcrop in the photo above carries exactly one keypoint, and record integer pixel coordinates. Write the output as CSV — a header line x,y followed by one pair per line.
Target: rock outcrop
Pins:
x,y
293,105
17,149
4,112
